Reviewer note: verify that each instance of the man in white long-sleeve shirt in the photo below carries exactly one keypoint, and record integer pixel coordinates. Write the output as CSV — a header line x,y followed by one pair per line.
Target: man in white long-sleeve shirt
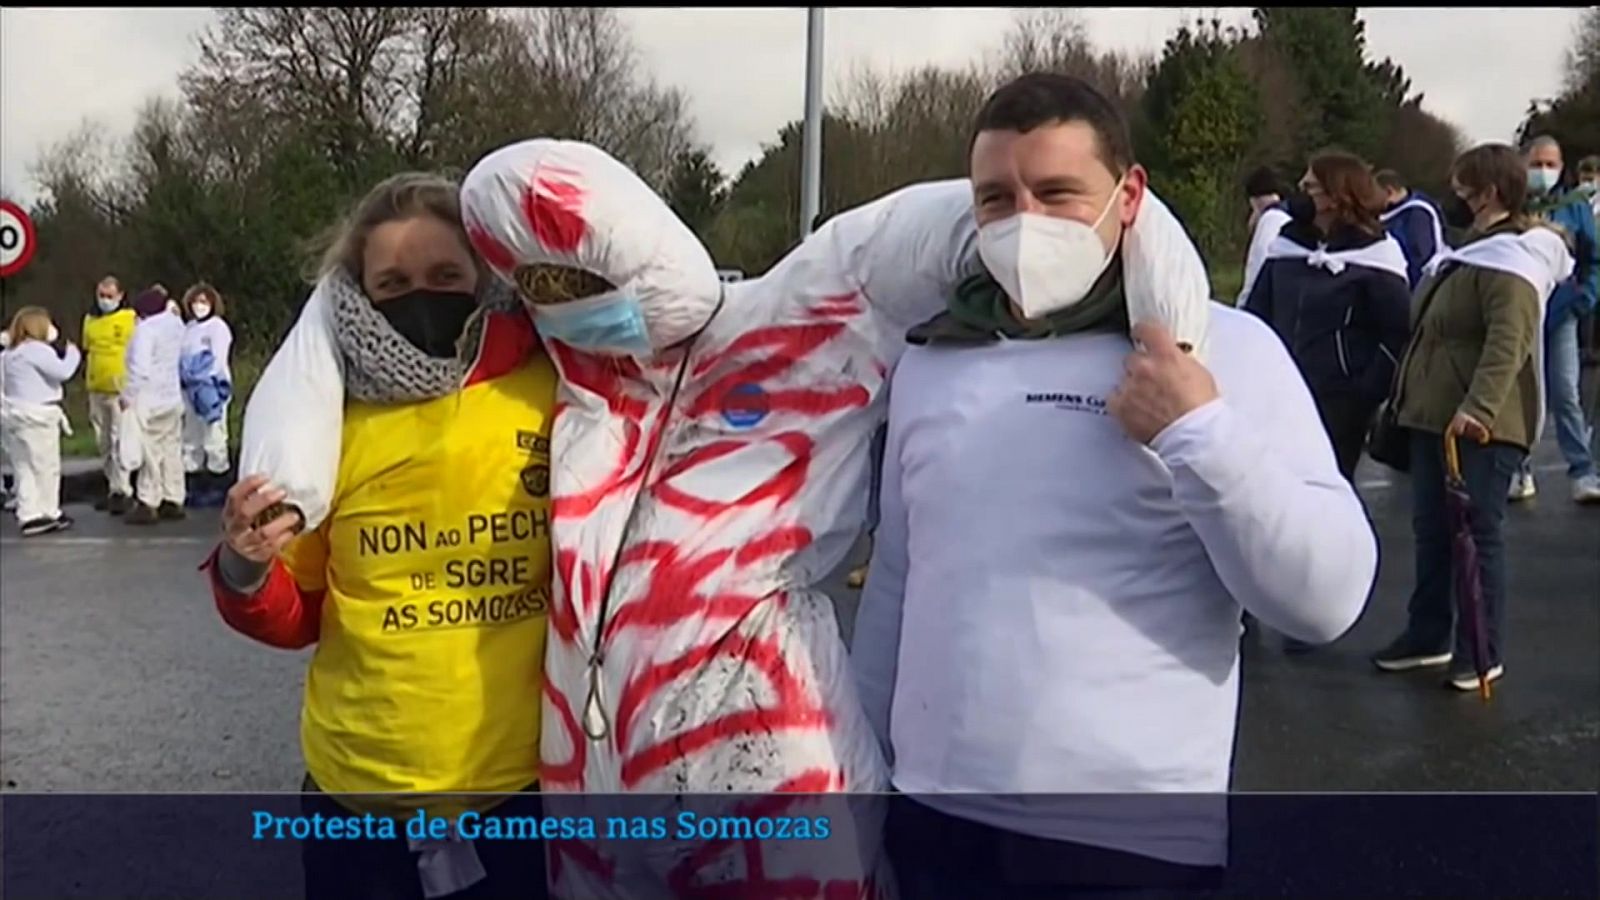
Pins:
x,y
152,403
1070,528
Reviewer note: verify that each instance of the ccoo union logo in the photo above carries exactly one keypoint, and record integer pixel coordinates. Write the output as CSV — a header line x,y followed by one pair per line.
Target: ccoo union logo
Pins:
x,y
745,405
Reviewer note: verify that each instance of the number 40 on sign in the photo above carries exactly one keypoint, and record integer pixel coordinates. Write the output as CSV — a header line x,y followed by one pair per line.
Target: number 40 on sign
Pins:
x,y
17,241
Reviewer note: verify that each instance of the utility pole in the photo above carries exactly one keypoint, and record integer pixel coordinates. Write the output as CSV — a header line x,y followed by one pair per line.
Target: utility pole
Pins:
x,y
811,151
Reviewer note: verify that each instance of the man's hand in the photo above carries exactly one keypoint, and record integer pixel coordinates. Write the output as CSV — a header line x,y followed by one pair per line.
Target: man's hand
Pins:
x,y
1466,426
1163,384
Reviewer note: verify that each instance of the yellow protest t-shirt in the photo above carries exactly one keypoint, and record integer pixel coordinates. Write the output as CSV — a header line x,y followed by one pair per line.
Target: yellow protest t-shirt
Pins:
x,y
436,564
105,346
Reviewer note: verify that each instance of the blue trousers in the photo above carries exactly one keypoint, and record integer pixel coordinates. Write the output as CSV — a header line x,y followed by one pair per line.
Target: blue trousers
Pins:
x,y
1561,373
1487,472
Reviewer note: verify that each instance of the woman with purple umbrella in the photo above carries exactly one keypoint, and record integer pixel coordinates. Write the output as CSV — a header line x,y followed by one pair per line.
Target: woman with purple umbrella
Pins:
x,y
1471,377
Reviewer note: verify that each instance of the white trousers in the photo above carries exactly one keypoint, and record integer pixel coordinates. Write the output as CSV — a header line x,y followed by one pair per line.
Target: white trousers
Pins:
x,y
33,442
205,446
161,476
105,415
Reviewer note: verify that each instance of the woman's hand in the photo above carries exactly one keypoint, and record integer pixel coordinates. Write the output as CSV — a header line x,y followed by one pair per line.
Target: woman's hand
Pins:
x,y
1466,426
247,532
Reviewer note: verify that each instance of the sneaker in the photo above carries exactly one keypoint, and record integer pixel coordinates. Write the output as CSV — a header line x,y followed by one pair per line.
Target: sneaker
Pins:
x,y
1403,653
171,512
1467,679
1522,487
1586,490
141,515
62,523
36,527
117,504
103,504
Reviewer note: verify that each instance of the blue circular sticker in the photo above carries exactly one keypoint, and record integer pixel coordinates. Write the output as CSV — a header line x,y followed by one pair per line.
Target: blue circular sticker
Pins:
x,y
745,405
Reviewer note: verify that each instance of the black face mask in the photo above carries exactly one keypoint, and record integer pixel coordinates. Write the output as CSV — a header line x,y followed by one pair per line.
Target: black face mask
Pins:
x,y
431,320
1301,207
1457,214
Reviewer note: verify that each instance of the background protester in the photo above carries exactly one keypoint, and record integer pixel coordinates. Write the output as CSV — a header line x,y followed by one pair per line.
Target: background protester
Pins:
x,y
1469,376
1334,289
1027,645
1268,214
208,390
107,329
32,370
152,410
1414,220
419,690
1570,214
1589,324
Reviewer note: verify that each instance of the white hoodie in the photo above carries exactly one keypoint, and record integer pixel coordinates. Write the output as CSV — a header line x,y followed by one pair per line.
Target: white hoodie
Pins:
x,y
154,352
211,333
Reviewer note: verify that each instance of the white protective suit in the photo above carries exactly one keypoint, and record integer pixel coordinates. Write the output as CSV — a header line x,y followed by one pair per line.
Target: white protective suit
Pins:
x,y
701,497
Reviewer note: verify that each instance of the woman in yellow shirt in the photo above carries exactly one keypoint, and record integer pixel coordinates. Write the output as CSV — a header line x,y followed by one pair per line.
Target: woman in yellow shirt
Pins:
x,y
426,590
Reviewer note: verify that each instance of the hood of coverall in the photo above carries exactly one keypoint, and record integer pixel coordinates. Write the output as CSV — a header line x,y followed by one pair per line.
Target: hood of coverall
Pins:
x,y
571,204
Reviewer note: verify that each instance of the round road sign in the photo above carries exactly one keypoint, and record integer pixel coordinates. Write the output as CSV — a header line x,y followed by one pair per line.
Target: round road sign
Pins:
x,y
17,241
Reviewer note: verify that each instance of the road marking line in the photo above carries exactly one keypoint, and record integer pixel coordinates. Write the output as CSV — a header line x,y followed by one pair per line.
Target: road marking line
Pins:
x,y
105,542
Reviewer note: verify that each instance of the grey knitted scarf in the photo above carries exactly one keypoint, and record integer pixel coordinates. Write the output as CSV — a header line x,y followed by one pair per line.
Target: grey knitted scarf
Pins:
x,y
382,367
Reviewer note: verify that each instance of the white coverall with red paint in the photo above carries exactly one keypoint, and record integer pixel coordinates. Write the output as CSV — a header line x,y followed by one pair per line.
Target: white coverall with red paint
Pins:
x,y
701,497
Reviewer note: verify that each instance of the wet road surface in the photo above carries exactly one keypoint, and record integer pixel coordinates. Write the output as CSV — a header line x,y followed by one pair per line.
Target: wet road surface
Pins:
x,y
117,675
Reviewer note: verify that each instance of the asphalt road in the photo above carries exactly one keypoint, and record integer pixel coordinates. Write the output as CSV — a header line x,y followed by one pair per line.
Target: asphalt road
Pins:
x,y
117,675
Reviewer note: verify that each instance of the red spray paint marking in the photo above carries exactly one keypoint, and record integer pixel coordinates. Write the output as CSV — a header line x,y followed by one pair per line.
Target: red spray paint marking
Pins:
x,y
756,883
837,306
553,205
569,773
563,622
758,652
780,486
658,756
584,856
496,254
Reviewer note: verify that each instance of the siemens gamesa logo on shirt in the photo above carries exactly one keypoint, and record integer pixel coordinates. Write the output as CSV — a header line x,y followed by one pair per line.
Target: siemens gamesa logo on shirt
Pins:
x,y
1075,402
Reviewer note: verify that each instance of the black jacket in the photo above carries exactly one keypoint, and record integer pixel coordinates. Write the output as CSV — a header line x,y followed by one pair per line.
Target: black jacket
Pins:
x,y
1346,332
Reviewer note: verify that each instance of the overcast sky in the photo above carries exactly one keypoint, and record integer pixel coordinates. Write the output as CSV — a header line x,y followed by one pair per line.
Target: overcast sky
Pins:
x,y
743,69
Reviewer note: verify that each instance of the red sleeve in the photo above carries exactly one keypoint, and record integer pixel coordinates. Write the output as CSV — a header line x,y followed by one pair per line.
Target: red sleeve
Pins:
x,y
280,614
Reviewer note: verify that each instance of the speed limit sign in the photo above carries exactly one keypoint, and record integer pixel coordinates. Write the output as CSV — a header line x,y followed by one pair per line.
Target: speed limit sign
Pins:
x,y
17,241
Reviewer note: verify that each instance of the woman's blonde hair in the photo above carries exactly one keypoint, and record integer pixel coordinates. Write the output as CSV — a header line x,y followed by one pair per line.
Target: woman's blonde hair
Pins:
x,y
30,322
202,289
396,198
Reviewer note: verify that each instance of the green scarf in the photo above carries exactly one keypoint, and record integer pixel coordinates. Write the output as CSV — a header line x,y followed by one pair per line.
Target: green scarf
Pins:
x,y
981,313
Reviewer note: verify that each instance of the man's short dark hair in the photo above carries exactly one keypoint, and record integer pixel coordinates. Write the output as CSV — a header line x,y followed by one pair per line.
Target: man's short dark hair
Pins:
x,y
1263,182
1390,180
1046,98
1589,165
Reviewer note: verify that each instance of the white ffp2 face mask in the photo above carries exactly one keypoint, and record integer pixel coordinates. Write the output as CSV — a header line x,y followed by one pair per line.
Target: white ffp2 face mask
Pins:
x,y
1045,263
200,310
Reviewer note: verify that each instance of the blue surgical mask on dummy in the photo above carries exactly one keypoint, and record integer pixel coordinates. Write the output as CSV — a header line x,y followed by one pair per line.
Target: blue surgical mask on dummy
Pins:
x,y
610,323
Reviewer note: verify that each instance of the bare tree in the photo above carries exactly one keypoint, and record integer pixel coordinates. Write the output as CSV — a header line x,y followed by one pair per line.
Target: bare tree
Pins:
x,y
1055,39
335,69
1583,56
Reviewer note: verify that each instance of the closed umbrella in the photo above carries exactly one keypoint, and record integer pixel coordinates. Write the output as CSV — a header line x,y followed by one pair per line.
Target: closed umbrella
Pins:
x,y
1464,562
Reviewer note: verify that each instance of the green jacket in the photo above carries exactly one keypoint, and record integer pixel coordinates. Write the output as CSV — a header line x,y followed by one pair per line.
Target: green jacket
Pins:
x,y
1471,351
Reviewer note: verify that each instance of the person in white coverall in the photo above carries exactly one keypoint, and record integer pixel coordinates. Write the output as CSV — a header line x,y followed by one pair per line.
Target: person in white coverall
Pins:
x,y
1073,518
708,471
152,407
31,418
207,390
